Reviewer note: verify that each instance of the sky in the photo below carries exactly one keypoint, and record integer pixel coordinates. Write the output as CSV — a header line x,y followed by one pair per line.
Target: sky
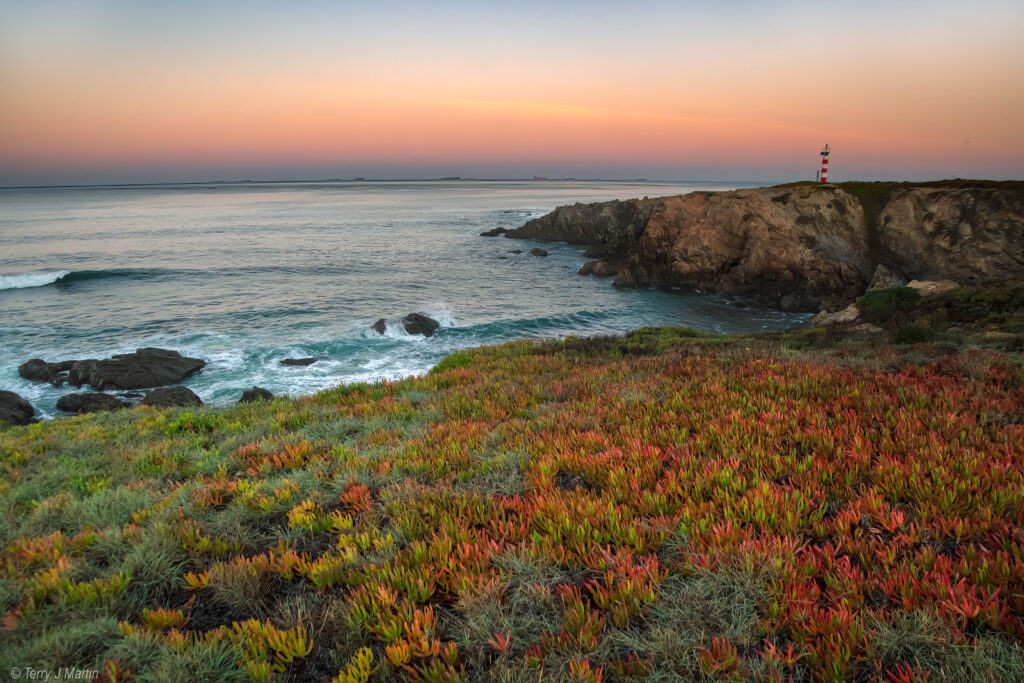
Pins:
x,y
136,91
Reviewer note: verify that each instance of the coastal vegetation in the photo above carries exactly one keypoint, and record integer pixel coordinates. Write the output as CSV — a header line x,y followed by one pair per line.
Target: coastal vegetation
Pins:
x,y
822,504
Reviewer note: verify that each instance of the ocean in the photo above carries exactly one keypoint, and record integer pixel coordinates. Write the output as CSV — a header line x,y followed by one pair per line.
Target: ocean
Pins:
x,y
244,275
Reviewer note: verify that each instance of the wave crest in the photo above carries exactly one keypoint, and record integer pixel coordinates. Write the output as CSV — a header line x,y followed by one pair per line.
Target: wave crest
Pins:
x,y
32,279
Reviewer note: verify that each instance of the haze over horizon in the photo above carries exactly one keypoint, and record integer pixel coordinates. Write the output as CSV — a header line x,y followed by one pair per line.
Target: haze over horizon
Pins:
x,y
136,92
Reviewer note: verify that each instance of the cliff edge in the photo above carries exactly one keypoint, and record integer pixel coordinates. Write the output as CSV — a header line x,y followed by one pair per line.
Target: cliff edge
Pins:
x,y
801,246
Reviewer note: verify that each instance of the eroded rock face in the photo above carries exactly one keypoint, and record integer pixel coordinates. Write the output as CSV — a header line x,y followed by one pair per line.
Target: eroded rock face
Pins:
x,y
930,288
803,247
885,278
15,410
92,402
170,397
966,235
843,317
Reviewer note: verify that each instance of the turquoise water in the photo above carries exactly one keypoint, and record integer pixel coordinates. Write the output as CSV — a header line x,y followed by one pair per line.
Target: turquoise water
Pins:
x,y
244,275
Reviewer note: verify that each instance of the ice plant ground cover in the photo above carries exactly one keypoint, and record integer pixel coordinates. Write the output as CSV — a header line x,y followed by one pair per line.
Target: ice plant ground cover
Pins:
x,y
662,506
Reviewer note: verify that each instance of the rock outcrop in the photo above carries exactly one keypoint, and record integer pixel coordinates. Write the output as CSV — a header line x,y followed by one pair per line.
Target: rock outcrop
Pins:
x,y
15,410
300,362
419,323
38,370
172,397
91,402
255,394
494,232
537,251
804,246
145,368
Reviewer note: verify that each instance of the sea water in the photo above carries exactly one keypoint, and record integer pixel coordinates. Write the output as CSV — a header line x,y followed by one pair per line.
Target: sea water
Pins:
x,y
244,275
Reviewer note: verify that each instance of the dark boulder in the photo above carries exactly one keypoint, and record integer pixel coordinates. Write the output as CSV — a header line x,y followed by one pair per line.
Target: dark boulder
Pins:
x,y
171,397
515,251
496,232
139,370
418,323
38,370
587,268
537,251
14,409
255,394
89,403
298,361
380,327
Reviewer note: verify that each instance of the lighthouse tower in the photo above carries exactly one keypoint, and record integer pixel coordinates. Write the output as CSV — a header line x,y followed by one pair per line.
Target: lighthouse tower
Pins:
x,y
824,164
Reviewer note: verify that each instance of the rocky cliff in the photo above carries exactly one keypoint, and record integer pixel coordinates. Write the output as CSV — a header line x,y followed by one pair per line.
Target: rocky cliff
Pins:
x,y
803,246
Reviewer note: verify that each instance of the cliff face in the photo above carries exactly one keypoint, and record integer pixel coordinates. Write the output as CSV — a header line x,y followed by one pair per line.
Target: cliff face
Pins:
x,y
802,246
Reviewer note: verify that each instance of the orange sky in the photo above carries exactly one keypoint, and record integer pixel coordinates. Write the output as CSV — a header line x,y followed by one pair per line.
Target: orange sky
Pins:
x,y
133,92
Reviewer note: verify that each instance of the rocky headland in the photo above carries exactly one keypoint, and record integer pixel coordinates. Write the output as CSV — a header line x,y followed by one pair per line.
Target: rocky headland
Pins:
x,y
801,246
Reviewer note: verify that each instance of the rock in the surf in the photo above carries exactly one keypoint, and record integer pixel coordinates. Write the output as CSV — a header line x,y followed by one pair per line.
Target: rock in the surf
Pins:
x,y
537,251
419,323
496,232
171,397
14,409
298,361
255,394
380,327
140,370
38,370
91,402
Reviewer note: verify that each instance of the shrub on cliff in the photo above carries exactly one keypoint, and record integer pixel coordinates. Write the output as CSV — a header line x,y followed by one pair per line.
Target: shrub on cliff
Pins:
x,y
879,305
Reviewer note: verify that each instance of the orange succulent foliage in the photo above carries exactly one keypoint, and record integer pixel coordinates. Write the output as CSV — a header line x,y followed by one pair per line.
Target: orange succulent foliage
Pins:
x,y
859,495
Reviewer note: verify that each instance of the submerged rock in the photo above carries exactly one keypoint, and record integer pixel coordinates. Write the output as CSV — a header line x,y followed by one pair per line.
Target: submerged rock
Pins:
x,y
496,232
92,402
298,361
255,394
171,397
15,410
420,323
142,369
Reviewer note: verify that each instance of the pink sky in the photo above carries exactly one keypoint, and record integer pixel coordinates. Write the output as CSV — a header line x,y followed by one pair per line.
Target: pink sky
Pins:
x,y
133,92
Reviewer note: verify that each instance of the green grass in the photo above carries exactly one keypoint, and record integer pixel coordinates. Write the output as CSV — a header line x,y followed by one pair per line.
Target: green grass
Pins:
x,y
666,505
880,305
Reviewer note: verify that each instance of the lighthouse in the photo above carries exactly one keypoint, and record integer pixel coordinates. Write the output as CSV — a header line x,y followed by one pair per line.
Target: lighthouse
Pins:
x,y
824,164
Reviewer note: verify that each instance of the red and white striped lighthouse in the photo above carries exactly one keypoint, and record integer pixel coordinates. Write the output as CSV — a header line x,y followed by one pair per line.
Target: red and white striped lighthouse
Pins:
x,y
824,164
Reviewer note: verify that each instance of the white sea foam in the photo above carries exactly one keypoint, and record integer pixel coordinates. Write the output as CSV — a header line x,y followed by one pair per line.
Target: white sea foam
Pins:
x,y
31,279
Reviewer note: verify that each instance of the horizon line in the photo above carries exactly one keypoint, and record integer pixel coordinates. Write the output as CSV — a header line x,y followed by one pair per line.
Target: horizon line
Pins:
x,y
374,180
